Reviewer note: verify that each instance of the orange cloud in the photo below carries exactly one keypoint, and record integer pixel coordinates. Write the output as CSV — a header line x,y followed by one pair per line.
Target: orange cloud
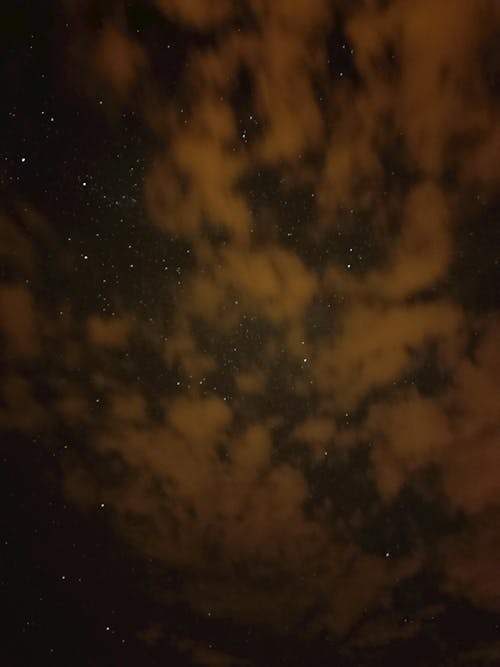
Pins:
x,y
108,331
117,59
21,411
375,345
18,321
199,13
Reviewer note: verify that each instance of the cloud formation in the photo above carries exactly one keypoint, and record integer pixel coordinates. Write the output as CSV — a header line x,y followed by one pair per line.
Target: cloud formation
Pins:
x,y
309,357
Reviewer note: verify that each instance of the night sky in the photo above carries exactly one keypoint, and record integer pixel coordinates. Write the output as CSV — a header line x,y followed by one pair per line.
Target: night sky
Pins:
x,y
250,333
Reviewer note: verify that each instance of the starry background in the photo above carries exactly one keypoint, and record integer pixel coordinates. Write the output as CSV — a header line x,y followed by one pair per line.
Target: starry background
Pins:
x,y
249,321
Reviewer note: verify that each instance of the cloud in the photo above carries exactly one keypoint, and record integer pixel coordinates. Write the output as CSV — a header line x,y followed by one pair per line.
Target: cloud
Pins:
x,y
129,407
282,60
18,321
218,512
318,433
207,491
476,426
110,332
478,170
251,382
311,212
471,478
471,562
432,76
117,59
408,434
16,250
210,656
417,259
198,14
21,411
375,345
271,282
198,177
450,430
